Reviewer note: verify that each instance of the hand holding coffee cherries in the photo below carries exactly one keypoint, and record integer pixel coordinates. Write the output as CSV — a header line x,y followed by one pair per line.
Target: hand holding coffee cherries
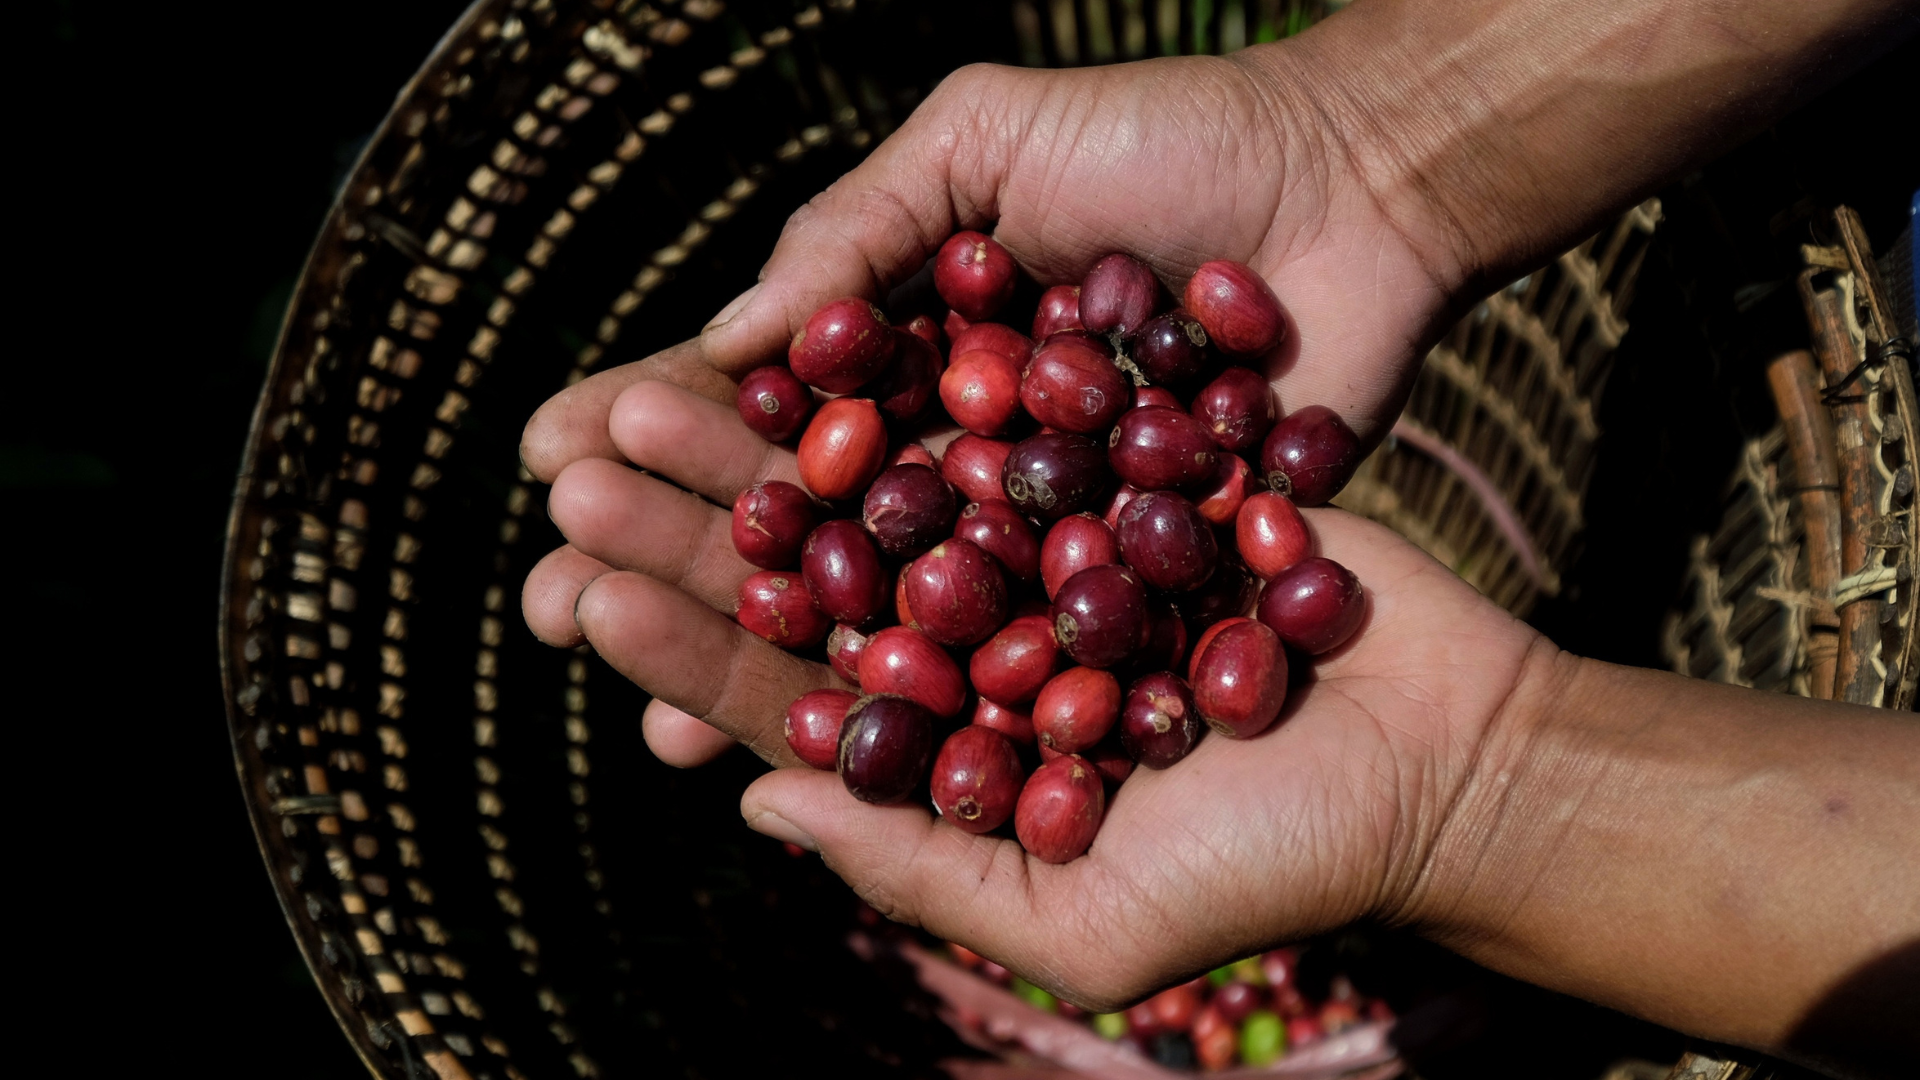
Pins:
x,y
1070,625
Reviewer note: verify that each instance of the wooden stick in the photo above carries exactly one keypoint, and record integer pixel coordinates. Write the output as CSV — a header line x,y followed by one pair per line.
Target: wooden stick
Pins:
x,y
1816,486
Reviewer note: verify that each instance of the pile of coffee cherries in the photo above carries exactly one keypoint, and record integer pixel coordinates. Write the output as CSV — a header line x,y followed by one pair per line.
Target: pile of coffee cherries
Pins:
x,y
1043,575
1253,1012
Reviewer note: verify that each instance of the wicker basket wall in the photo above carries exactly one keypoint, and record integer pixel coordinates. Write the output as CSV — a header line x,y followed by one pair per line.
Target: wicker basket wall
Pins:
x,y
487,873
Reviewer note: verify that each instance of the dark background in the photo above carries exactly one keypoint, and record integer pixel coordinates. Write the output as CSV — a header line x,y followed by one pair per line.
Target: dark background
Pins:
x,y
171,164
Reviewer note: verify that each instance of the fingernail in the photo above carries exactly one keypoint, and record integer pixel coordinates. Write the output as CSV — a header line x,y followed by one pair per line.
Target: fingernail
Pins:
x,y
771,824
738,305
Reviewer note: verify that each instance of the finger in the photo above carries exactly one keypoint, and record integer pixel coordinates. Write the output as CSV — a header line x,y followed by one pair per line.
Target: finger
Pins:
x,y
876,226
632,521
697,660
699,444
573,423
552,588
983,892
681,740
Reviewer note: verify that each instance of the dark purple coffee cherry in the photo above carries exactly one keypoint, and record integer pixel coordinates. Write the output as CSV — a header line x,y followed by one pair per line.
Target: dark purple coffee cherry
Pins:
x,y
1158,722
1310,455
1100,616
1315,605
1171,349
885,745
1053,475
1166,541
774,403
1155,447
843,572
1236,408
909,509
1119,294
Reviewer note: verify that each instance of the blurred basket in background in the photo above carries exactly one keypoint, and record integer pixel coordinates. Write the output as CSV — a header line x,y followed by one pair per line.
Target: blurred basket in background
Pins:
x,y
487,873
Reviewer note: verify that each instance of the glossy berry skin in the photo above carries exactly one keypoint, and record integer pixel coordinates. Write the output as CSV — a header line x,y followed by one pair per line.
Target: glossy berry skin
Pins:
x,y
1271,534
1240,680
845,343
1219,500
1000,531
813,725
1072,385
843,572
885,745
926,329
1100,616
1118,295
977,779
1052,475
774,403
909,509
908,385
1012,666
993,337
1239,310
1158,722
1060,809
972,464
775,605
1206,638
1166,541
1076,709
1059,310
1171,349
1315,605
1073,544
1175,1007
912,454
845,645
843,449
981,391
1156,395
973,274
1236,1000
1012,723
1236,408
1154,447
1117,502
1310,455
771,520
903,661
901,609
1228,593
957,593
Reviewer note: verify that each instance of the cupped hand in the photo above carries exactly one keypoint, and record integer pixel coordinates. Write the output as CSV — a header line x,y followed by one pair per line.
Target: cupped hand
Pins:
x,y
1328,817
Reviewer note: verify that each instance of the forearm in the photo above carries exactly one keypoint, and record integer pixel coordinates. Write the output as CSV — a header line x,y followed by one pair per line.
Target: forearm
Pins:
x,y
1498,131
1716,859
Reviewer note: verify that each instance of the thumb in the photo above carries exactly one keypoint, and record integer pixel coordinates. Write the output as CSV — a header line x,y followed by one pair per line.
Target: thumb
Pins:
x,y
875,226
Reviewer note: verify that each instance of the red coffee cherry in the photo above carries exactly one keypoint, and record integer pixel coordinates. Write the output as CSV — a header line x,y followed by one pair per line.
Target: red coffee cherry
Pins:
x,y
1076,709
999,530
1052,475
885,745
908,385
1271,534
845,645
1166,541
1159,724
996,338
843,572
1117,502
1171,349
1236,1001
1154,447
957,593
973,464
813,725
953,324
1156,395
973,274
1206,638
977,779
843,449
903,661
1236,408
771,520
1012,723
909,509
1072,385
1060,809
844,344
1059,310
912,454
1215,1042
1240,681
1239,310
926,329
1310,455
1315,605
1118,295
1016,662
1232,484
1073,544
982,392
901,609
774,403
1100,616
775,605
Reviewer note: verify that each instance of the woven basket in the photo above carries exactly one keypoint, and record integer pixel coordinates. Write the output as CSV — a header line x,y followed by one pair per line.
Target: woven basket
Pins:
x,y
488,874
